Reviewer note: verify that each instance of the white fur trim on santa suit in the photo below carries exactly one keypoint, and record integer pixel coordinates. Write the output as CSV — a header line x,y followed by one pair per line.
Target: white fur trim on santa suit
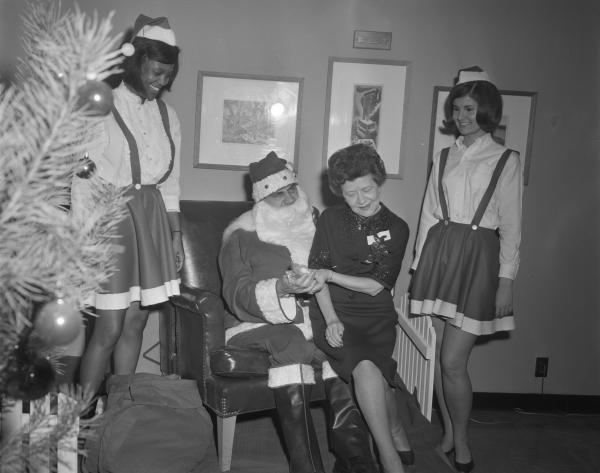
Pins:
x,y
297,240
243,222
328,372
272,183
243,327
275,309
291,374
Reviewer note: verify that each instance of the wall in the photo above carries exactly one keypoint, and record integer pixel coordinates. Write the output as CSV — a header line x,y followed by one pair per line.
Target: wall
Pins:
x,y
546,46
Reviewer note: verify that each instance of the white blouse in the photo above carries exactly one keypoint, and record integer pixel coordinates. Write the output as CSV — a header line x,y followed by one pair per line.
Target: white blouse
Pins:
x,y
111,152
466,177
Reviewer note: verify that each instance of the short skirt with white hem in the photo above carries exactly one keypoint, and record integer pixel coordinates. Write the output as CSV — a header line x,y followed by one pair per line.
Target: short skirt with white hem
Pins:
x,y
457,278
145,269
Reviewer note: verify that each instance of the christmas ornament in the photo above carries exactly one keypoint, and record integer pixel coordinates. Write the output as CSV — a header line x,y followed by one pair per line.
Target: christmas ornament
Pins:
x,y
28,375
127,49
58,322
87,167
96,96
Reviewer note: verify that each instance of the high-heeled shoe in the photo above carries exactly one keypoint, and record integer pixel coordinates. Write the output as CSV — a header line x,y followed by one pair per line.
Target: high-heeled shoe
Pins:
x,y
464,467
407,457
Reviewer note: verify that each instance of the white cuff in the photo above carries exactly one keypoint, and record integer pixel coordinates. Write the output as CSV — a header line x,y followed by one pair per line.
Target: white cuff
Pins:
x,y
328,372
275,310
171,203
291,374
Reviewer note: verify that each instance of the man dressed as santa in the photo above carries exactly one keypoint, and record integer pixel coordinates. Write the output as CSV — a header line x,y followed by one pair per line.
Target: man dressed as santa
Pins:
x,y
266,284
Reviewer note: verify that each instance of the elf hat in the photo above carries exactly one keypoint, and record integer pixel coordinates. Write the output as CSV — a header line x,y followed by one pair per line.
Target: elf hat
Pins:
x,y
471,74
269,175
157,29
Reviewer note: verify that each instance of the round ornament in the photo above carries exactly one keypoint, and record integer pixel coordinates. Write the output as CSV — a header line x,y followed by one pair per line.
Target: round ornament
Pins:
x,y
96,96
30,375
58,322
87,167
127,49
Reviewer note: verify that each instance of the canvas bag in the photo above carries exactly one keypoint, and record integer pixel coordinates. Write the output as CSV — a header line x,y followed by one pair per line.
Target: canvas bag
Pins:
x,y
152,424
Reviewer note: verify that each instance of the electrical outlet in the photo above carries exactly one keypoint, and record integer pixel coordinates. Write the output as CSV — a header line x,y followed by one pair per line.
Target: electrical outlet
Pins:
x,y
541,367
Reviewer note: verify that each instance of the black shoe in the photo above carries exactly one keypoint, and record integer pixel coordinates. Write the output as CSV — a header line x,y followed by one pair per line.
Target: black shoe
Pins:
x,y
448,453
464,467
407,457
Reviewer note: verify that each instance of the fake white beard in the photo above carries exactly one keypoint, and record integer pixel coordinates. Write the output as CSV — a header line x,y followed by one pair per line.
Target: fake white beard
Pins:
x,y
291,226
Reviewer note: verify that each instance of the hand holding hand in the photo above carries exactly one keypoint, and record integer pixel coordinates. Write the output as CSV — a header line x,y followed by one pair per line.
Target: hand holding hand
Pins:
x,y
292,283
323,275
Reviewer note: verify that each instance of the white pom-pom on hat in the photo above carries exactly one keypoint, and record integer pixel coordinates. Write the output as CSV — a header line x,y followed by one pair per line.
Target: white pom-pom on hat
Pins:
x,y
157,29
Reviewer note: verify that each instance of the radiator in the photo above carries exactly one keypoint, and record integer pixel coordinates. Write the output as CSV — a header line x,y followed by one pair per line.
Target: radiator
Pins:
x,y
15,421
415,355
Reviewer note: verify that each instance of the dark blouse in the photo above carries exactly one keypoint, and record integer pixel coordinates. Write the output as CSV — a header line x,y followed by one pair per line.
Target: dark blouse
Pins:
x,y
360,246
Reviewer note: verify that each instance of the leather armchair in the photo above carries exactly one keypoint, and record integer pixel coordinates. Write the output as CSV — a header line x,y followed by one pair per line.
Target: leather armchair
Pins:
x,y
231,381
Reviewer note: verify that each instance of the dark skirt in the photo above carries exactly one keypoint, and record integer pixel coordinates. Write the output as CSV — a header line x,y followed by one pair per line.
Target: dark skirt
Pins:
x,y
145,264
457,278
369,332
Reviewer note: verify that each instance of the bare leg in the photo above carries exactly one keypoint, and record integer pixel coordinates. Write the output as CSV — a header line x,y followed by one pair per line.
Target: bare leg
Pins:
x,y
107,329
399,436
455,352
447,442
127,349
370,386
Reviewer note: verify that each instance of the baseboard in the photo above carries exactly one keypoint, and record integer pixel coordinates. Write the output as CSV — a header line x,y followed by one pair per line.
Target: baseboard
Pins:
x,y
538,402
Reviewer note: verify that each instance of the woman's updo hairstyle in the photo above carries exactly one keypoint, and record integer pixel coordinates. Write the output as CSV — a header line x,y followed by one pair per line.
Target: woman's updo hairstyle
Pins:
x,y
353,162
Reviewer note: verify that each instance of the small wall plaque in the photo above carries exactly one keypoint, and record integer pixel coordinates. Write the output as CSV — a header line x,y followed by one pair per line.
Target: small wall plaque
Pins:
x,y
372,39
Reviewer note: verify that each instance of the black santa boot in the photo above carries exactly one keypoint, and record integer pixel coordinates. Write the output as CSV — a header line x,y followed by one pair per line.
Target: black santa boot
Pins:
x,y
349,434
292,403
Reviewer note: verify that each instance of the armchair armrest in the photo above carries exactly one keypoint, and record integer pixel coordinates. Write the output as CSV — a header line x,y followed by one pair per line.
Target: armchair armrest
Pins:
x,y
198,325
207,305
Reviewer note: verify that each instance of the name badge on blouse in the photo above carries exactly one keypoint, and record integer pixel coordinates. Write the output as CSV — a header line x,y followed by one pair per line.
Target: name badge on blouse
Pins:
x,y
384,235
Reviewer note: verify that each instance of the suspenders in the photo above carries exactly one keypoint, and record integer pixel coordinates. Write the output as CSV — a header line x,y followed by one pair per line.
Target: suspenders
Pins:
x,y
134,155
487,196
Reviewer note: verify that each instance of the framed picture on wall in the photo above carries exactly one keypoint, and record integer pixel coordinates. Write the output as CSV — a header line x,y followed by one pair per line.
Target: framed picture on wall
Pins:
x,y
365,103
515,130
241,117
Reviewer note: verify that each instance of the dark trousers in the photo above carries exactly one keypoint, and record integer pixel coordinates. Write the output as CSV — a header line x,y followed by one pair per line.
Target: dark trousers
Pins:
x,y
284,343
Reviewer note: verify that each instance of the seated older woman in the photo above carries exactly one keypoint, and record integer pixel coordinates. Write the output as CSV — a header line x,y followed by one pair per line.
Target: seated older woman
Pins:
x,y
358,250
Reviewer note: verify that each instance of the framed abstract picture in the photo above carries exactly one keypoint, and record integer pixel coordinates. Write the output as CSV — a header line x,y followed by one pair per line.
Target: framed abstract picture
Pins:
x,y
515,130
365,103
241,117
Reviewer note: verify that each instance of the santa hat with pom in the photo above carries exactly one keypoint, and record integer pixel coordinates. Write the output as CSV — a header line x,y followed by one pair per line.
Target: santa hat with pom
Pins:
x,y
269,175
157,29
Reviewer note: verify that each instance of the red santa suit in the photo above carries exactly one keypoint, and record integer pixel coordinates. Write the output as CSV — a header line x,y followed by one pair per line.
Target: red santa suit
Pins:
x,y
258,250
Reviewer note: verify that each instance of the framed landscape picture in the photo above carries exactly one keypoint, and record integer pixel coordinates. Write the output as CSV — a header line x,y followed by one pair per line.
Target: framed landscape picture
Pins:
x,y
241,117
